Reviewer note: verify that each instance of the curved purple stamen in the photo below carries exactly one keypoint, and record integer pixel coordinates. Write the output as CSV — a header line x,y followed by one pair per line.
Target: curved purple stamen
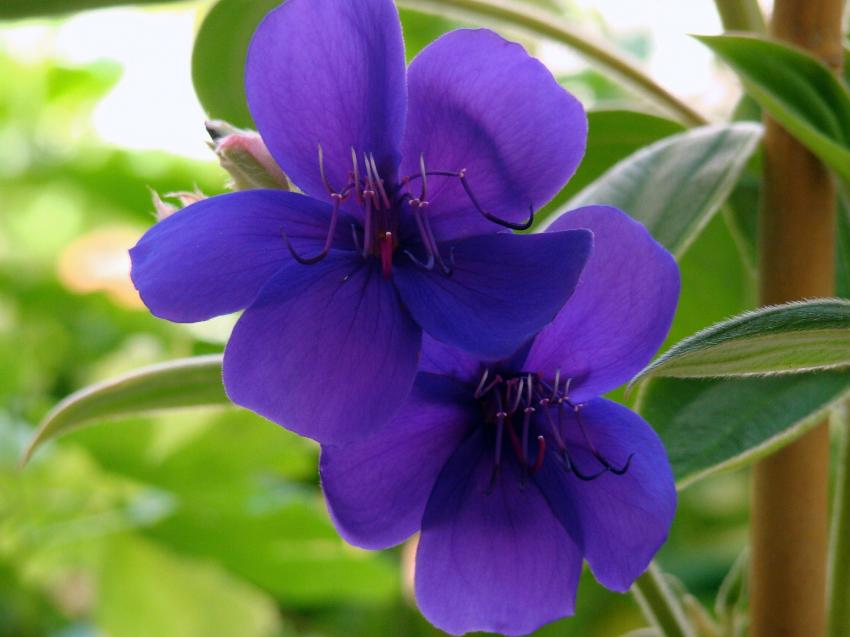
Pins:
x,y
461,175
337,198
381,208
504,396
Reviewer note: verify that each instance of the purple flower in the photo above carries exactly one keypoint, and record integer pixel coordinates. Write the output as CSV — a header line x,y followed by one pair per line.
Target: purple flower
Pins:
x,y
517,471
410,177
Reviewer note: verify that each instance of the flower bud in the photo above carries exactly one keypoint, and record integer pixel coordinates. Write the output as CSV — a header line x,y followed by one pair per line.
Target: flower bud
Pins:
x,y
164,209
244,155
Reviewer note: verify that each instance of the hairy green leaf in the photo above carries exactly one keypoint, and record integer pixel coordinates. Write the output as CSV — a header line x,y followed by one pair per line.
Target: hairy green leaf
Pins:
x,y
780,339
676,185
190,382
710,425
798,90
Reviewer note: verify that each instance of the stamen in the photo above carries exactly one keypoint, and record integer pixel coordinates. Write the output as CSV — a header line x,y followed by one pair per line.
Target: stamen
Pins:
x,y
325,181
596,454
571,467
518,387
423,196
502,222
328,240
461,175
498,379
379,181
447,270
541,454
478,393
557,382
429,264
369,193
556,432
358,196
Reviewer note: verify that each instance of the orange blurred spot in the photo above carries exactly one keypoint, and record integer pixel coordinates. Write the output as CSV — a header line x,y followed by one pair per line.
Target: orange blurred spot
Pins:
x,y
98,261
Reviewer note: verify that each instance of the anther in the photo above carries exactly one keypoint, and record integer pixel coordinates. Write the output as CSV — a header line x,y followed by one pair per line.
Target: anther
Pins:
x,y
571,467
328,240
596,454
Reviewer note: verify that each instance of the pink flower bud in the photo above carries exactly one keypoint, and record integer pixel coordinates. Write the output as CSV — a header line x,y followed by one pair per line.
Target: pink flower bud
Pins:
x,y
244,155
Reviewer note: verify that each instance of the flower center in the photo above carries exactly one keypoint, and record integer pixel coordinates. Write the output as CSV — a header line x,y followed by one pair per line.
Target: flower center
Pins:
x,y
382,204
508,403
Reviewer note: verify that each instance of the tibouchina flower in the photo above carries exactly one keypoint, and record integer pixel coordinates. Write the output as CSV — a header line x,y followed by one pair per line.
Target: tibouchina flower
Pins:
x,y
410,177
515,472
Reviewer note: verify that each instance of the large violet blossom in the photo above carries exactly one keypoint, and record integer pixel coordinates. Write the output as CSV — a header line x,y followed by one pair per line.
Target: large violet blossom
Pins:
x,y
410,177
517,471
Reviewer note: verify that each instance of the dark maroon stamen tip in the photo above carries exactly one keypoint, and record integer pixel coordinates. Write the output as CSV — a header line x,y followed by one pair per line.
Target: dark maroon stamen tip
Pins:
x,y
326,248
464,182
541,452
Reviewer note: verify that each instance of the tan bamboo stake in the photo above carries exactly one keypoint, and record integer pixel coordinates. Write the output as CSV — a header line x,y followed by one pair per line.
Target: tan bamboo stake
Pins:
x,y
797,237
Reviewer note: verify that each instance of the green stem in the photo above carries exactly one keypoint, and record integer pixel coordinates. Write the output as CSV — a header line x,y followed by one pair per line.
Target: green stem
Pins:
x,y
660,606
741,15
839,558
543,23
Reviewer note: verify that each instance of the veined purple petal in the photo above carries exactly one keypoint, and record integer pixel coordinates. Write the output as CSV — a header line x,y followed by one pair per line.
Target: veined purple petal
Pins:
x,y
479,102
213,257
620,312
328,72
377,489
624,519
502,290
326,350
492,560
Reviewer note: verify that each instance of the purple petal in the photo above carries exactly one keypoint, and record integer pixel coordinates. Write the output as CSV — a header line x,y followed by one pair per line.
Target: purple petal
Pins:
x,y
445,360
497,561
502,290
620,312
326,350
624,519
479,102
213,257
376,490
328,72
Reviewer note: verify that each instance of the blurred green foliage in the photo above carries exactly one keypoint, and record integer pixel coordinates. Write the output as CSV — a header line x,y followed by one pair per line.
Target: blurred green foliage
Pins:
x,y
212,523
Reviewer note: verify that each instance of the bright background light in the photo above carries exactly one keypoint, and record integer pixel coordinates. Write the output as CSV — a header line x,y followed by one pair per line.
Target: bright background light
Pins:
x,y
153,106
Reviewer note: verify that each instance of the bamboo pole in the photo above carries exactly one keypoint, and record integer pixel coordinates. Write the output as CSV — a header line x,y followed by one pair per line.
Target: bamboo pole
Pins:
x,y
789,531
